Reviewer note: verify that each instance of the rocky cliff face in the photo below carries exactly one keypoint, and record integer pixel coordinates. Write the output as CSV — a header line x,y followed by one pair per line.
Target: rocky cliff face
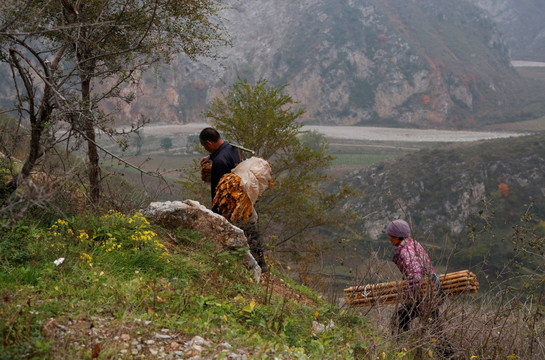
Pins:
x,y
415,63
439,189
522,22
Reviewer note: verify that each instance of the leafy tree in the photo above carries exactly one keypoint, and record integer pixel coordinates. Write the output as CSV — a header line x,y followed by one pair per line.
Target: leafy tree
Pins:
x,y
313,140
68,56
166,143
300,206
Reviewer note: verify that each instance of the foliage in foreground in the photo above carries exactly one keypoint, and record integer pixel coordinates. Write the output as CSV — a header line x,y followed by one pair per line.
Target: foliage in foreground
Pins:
x,y
121,270
116,276
65,60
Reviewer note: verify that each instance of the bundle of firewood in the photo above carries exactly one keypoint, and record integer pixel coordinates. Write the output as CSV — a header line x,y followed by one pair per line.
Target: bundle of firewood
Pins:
x,y
232,202
452,284
237,191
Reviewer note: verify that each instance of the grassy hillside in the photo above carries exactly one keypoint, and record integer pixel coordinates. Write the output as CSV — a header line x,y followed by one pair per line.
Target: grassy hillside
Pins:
x,y
114,286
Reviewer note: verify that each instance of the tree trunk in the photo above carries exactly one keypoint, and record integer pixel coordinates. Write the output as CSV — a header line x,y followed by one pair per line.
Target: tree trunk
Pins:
x,y
37,122
92,153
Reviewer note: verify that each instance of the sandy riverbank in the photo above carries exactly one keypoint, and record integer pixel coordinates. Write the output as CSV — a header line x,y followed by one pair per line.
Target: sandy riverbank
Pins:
x,y
355,133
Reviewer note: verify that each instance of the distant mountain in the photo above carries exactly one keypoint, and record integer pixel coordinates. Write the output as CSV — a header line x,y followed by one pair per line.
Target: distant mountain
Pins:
x,y
522,23
411,63
440,189
420,63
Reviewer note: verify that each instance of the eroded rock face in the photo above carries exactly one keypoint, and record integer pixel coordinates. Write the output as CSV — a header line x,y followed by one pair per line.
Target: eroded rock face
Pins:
x,y
521,24
189,214
346,63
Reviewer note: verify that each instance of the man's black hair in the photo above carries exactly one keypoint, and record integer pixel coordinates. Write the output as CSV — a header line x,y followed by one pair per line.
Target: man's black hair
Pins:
x,y
209,134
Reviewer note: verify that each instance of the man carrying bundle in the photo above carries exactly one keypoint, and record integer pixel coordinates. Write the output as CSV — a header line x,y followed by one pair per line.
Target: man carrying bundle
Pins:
x,y
415,265
223,158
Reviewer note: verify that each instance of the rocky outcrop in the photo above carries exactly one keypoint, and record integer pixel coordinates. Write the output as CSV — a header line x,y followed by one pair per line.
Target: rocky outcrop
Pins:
x,y
420,63
522,23
347,63
190,214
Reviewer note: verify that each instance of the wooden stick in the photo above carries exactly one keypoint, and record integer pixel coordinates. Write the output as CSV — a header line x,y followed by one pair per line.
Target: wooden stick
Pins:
x,y
452,284
449,277
402,287
456,273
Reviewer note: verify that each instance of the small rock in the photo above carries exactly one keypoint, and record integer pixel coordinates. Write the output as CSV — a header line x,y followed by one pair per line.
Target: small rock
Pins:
x,y
197,348
198,340
174,345
153,351
125,337
149,342
224,346
163,336
317,327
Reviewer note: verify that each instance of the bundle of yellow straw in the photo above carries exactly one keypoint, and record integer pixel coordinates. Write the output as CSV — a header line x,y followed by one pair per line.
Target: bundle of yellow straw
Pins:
x,y
452,284
232,202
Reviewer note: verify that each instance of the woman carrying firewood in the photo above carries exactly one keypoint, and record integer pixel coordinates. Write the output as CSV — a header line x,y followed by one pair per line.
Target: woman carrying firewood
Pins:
x,y
420,300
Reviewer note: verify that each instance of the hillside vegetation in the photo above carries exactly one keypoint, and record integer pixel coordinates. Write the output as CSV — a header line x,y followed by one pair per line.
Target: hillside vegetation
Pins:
x,y
115,286
81,284
446,190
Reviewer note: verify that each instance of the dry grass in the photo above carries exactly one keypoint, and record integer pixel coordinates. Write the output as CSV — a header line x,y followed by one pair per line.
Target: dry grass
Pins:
x,y
502,322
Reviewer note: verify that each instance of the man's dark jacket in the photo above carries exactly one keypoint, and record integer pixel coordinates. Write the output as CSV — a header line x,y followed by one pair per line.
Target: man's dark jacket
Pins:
x,y
224,159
